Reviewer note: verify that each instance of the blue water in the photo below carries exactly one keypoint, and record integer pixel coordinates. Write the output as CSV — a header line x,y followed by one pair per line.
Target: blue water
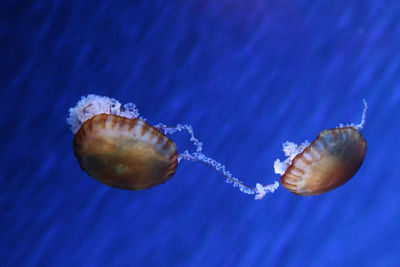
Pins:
x,y
248,76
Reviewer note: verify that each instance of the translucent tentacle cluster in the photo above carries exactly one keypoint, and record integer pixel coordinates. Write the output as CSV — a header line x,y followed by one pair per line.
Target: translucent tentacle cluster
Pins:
x,y
291,150
92,105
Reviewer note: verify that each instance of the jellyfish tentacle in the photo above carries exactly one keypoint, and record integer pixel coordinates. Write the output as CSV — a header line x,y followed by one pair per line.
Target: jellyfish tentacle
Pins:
x,y
180,127
263,189
91,105
361,125
84,109
211,167
199,157
364,115
259,190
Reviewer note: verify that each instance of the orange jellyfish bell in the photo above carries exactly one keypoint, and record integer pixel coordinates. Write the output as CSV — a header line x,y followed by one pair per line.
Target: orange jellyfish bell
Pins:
x,y
325,164
121,150
125,153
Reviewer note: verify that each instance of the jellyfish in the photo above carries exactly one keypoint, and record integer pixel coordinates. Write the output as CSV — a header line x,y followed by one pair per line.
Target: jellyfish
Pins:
x,y
119,148
331,160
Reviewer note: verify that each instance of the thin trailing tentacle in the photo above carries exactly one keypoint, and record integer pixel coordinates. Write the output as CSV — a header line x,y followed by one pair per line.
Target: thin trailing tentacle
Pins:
x,y
361,125
259,190
364,116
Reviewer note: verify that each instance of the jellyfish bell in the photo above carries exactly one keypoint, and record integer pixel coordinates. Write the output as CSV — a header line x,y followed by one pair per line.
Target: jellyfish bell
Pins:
x,y
327,163
117,147
125,153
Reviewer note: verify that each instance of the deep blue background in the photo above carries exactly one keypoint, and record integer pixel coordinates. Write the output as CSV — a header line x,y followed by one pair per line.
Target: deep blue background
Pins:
x,y
248,75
